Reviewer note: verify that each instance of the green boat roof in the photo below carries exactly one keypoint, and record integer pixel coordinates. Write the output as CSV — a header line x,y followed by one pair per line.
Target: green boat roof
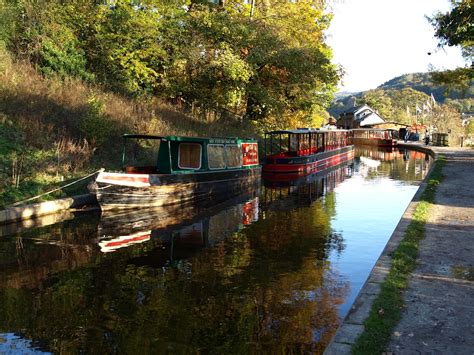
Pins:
x,y
189,139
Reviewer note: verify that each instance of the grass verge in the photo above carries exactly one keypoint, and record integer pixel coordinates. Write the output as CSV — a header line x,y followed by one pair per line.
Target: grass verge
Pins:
x,y
386,309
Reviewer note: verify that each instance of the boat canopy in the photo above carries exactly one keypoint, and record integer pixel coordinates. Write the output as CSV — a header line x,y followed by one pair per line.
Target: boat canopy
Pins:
x,y
375,133
374,129
293,131
303,131
304,141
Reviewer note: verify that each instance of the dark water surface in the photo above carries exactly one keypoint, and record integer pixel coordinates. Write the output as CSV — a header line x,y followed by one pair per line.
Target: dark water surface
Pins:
x,y
274,270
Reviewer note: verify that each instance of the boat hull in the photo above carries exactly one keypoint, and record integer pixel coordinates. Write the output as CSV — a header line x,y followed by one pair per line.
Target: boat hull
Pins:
x,y
284,169
128,191
374,142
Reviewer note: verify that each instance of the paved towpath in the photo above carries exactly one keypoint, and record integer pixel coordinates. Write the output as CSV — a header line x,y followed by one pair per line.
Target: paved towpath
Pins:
x,y
439,313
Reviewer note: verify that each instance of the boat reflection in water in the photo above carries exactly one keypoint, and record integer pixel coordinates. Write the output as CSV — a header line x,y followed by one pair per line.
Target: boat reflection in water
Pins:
x,y
397,163
305,190
176,232
379,153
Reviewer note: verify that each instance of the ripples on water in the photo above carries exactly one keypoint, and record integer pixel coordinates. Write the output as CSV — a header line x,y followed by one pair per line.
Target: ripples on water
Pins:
x,y
274,270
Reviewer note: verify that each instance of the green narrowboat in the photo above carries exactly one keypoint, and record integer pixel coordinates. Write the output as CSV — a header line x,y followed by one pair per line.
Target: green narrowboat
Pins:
x,y
166,170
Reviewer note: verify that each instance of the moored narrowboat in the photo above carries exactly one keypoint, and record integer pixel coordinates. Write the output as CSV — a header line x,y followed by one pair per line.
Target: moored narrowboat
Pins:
x,y
160,171
375,137
290,154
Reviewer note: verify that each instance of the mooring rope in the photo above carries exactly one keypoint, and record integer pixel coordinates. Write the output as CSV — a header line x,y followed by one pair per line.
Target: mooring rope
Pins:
x,y
57,189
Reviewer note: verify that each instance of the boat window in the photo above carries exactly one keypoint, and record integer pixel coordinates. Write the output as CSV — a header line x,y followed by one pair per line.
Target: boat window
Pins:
x,y
140,152
216,156
233,155
314,141
320,141
304,141
189,156
293,142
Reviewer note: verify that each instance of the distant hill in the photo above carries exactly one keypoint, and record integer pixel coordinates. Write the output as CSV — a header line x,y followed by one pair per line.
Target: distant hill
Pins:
x,y
420,82
342,103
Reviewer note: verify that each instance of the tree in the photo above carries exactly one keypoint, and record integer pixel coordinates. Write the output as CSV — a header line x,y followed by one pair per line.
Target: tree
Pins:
x,y
128,56
444,119
457,79
211,70
47,34
408,97
294,74
379,101
455,28
271,66
392,104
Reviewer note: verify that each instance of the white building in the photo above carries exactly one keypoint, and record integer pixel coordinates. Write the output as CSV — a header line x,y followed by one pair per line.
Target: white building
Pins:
x,y
359,116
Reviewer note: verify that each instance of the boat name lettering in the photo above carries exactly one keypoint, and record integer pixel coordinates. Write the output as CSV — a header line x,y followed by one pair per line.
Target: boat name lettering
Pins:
x,y
221,141
250,153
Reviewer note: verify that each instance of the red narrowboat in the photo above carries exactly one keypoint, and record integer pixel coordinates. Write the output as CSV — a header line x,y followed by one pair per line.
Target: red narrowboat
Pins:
x,y
290,154
375,137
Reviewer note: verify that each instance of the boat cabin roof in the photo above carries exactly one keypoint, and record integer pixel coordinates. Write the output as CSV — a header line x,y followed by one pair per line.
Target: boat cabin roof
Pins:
x,y
210,140
305,131
374,129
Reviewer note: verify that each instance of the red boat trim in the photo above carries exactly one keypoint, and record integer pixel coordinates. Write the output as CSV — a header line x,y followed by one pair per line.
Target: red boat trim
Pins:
x,y
134,180
127,241
111,245
309,168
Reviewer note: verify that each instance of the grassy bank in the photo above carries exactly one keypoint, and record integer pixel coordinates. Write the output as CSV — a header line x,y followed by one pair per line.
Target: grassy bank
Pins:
x,y
387,307
53,131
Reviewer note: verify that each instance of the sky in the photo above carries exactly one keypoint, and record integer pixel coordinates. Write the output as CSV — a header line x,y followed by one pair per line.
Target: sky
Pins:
x,y
377,40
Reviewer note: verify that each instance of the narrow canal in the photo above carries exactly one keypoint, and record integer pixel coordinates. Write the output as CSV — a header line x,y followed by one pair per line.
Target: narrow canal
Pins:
x,y
275,270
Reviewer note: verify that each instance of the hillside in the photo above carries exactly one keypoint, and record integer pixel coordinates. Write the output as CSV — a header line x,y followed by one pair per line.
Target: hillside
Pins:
x,y
422,82
402,91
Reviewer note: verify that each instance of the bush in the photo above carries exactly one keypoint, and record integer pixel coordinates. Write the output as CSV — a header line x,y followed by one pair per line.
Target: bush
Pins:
x,y
95,126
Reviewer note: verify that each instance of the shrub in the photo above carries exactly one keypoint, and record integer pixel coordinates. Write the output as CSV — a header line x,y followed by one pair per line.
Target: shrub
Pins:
x,y
95,126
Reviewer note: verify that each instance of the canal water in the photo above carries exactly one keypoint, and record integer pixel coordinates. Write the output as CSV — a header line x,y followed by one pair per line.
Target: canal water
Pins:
x,y
274,270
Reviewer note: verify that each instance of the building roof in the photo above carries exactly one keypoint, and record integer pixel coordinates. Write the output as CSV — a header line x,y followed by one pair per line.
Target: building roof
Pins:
x,y
370,119
357,108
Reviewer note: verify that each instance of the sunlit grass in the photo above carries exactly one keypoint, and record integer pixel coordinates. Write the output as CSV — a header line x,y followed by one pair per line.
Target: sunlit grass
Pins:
x,y
387,307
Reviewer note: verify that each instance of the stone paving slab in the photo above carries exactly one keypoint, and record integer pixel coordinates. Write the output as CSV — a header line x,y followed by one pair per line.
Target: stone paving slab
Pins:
x,y
361,308
348,333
